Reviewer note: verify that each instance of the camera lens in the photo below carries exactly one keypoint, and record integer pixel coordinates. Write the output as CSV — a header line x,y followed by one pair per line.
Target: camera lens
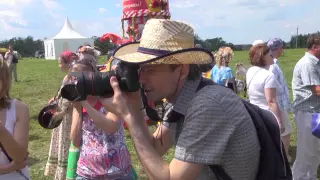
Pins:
x,y
69,92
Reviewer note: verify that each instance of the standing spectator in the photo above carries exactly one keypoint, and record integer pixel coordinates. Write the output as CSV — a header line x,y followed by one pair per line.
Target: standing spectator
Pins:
x,y
56,165
276,47
262,84
306,101
14,128
12,61
221,72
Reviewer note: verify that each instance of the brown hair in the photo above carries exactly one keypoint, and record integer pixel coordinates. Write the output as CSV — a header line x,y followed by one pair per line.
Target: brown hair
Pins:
x,y
5,79
78,67
257,53
313,39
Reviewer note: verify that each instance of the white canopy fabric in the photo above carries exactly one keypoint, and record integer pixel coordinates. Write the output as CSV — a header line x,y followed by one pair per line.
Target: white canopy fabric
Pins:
x,y
66,39
67,32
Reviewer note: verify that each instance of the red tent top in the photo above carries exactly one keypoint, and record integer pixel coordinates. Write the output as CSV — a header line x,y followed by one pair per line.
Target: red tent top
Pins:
x,y
142,8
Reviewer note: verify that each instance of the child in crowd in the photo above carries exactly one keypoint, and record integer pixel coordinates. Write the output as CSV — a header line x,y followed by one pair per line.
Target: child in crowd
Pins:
x,y
100,137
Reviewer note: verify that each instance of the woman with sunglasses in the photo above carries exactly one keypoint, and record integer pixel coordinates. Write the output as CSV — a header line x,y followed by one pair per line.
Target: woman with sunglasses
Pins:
x,y
100,137
14,131
59,147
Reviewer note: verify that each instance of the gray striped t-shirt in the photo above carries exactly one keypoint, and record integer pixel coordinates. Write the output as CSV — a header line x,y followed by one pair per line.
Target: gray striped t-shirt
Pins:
x,y
306,73
217,129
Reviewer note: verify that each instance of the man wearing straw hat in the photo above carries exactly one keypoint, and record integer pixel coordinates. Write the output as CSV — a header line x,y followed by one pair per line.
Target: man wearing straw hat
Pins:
x,y
216,128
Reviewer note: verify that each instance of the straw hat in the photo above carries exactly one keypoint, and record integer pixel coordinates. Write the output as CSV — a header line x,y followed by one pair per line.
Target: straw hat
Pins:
x,y
164,42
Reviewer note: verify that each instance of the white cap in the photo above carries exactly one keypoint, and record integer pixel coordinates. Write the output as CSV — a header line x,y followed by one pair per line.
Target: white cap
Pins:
x,y
257,42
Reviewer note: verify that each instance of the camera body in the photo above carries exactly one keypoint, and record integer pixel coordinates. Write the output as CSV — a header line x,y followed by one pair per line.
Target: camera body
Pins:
x,y
98,83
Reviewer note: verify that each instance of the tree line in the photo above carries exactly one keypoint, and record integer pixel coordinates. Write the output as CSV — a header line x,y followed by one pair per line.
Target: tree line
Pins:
x,y
28,46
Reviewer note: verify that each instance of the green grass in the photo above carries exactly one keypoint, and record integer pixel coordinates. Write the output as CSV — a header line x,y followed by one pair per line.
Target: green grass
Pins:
x,y
39,80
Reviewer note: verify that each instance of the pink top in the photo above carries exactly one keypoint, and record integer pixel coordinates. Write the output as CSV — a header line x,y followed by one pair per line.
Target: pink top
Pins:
x,y
102,155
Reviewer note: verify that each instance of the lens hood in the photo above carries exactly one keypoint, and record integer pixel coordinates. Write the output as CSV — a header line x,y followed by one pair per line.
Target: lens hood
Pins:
x,y
45,117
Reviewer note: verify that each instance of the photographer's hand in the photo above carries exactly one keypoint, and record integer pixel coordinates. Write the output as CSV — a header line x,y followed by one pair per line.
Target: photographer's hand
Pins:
x,y
128,107
122,104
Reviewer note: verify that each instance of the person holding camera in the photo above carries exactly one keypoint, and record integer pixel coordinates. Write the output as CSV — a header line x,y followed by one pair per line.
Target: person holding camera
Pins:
x,y
14,131
12,61
100,137
215,129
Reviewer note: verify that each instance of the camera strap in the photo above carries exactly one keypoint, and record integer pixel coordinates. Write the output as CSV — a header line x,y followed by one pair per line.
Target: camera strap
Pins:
x,y
151,113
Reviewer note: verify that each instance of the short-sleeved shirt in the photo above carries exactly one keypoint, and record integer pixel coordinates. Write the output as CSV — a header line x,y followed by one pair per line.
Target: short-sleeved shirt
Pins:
x,y
216,130
283,95
258,79
306,74
220,75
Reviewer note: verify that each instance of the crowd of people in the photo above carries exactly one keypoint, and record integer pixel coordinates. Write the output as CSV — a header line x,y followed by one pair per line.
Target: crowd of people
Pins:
x,y
213,126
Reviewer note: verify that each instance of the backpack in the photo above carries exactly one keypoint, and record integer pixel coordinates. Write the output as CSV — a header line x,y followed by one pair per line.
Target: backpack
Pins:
x,y
273,163
14,58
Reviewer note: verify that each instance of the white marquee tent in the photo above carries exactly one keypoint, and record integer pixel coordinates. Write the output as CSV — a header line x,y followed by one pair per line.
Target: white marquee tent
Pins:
x,y
66,39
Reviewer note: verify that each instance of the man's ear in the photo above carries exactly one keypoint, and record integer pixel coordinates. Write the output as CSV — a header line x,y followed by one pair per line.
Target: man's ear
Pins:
x,y
185,69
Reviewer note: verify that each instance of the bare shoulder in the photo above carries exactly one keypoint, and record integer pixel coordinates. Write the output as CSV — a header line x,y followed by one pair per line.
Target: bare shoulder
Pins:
x,y
21,105
22,110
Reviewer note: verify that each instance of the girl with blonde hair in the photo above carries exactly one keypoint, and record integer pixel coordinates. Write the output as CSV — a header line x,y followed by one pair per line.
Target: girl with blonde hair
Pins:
x,y
14,128
221,72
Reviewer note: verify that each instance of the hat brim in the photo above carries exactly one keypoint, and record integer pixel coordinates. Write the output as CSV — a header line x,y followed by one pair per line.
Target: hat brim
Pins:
x,y
129,53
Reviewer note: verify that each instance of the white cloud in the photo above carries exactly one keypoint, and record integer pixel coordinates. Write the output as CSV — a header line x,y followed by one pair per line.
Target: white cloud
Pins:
x,y
14,2
9,13
234,20
102,10
52,4
248,18
185,3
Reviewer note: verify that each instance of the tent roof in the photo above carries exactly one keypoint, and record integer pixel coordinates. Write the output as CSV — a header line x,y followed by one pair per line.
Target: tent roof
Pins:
x,y
67,32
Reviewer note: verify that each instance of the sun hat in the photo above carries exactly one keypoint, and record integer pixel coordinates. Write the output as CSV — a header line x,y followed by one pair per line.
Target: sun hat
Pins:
x,y
275,43
257,42
164,42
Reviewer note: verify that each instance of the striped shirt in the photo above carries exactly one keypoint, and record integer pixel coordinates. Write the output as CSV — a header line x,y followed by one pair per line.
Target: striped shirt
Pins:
x,y
283,95
306,74
216,130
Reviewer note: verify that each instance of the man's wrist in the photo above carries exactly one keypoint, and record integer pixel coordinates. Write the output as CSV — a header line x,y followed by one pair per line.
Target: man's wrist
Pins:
x,y
133,117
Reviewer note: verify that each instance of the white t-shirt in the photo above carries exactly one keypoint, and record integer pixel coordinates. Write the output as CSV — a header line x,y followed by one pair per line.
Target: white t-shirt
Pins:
x,y
258,79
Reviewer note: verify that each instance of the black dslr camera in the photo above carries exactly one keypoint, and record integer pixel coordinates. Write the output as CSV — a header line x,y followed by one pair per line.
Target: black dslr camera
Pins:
x,y
98,83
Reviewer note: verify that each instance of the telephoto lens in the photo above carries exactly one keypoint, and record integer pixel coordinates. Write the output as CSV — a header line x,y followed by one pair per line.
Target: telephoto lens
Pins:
x,y
98,83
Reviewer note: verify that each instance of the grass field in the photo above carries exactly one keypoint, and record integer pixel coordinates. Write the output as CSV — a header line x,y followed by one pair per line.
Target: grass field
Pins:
x,y
39,80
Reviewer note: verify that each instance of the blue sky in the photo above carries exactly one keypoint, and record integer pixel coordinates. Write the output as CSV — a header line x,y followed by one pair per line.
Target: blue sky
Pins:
x,y
236,21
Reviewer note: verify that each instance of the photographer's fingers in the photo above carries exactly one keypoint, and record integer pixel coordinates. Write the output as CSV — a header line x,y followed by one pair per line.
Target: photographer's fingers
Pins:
x,y
115,85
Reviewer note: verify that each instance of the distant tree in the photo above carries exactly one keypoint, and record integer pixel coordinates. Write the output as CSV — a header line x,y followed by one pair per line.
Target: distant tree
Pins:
x,y
104,46
25,46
